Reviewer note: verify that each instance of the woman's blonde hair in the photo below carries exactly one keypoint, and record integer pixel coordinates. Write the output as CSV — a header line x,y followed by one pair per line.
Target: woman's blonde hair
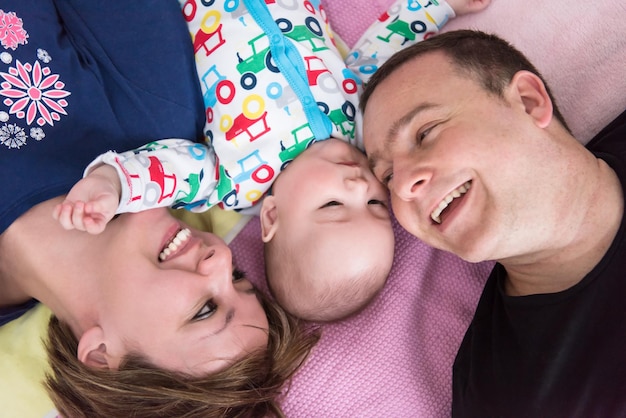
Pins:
x,y
250,388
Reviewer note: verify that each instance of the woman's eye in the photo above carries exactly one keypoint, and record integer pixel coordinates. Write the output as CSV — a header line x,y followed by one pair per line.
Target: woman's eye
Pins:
x,y
206,311
238,275
331,203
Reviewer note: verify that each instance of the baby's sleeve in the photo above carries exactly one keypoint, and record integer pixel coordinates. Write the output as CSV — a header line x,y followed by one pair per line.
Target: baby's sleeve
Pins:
x,y
172,172
404,23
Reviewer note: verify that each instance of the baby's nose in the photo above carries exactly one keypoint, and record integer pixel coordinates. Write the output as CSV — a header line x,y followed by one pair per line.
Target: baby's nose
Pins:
x,y
356,182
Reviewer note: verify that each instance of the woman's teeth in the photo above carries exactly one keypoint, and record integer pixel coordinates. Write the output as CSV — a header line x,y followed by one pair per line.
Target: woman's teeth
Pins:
x,y
179,239
458,192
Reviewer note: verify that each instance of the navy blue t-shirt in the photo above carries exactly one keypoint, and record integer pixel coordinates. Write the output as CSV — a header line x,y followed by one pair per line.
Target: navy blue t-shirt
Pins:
x,y
79,78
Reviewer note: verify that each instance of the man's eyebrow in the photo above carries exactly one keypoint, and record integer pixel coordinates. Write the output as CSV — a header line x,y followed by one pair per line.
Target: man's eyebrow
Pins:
x,y
392,133
373,158
397,126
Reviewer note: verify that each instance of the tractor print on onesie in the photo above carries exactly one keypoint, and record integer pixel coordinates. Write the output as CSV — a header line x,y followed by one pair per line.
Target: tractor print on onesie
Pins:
x,y
398,31
243,88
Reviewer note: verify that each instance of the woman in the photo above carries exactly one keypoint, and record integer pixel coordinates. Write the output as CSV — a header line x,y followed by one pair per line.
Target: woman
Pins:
x,y
134,332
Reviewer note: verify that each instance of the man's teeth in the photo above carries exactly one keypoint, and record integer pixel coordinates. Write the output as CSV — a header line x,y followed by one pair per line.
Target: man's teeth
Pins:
x,y
179,239
458,192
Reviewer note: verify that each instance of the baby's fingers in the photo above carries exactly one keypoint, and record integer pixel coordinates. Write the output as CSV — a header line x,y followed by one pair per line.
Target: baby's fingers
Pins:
x,y
66,214
78,216
56,212
94,224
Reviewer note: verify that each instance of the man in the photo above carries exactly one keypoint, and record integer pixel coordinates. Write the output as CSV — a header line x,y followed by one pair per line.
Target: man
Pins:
x,y
480,162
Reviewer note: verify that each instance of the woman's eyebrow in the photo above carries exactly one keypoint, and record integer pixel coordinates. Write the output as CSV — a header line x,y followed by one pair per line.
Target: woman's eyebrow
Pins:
x,y
227,320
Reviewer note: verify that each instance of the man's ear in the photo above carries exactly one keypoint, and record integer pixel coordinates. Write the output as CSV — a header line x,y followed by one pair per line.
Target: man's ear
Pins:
x,y
533,95
92,350
269,218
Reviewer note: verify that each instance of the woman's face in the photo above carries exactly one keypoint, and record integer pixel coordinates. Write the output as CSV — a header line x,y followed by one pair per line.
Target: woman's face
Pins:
x,y
169,293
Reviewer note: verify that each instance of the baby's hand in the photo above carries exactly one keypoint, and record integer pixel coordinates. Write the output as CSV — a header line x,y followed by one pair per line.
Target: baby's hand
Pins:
x,y
92,202
463,7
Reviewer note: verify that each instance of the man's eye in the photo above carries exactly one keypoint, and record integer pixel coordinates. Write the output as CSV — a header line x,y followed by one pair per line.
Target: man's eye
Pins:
x,y
206,311
386,178
421,135
238,275
331,203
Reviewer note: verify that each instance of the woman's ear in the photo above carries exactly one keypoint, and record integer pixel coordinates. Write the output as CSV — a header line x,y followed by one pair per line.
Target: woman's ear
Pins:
x,y
269,218
92,350
532,93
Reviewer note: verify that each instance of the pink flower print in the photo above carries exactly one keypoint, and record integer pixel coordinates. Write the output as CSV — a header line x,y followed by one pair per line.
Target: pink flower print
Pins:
x,y
32,92
12,33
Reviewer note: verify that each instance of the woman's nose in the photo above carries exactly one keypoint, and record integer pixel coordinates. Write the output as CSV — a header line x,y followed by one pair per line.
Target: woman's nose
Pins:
x,y
215,261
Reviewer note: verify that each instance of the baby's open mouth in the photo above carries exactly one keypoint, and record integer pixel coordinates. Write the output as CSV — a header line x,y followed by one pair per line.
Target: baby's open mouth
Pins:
x,y
446,201
177,242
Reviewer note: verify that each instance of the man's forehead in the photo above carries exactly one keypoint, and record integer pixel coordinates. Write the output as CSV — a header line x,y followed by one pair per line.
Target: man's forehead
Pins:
x,y
422,67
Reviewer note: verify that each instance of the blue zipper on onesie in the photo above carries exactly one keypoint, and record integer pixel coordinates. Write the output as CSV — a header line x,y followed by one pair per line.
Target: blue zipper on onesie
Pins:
x,y
291,65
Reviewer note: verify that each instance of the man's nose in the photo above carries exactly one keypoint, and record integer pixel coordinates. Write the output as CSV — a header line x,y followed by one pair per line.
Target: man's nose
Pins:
x,y
409,179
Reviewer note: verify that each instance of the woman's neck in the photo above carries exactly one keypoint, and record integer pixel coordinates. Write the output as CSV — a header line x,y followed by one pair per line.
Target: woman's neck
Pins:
x,y
12,292
41,260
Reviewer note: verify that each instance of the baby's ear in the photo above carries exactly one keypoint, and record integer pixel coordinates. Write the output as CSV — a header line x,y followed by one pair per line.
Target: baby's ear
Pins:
x,y
269,218
92,350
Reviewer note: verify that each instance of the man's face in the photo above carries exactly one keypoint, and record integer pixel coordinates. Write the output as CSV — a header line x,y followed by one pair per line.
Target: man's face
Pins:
x,y
466,169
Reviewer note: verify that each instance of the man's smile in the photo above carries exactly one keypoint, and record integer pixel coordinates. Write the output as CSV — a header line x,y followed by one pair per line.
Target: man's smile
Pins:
x,y
435,215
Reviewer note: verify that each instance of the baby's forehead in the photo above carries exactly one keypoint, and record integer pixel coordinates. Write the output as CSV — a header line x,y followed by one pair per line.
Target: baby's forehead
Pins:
x,y
351,244
346,229
348,264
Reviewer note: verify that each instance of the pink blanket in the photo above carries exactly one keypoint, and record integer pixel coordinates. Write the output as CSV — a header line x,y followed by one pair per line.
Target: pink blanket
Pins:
x,y
395,358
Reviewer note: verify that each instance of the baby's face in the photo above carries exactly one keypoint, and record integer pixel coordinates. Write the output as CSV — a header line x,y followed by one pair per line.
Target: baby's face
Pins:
x,y
333,216
331,183
329,197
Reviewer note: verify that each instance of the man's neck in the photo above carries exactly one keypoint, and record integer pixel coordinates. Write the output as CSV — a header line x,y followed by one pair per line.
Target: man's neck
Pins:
x,y
595,227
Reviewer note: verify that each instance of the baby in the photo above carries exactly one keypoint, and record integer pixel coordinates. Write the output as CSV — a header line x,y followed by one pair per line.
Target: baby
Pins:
x,y
281,108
